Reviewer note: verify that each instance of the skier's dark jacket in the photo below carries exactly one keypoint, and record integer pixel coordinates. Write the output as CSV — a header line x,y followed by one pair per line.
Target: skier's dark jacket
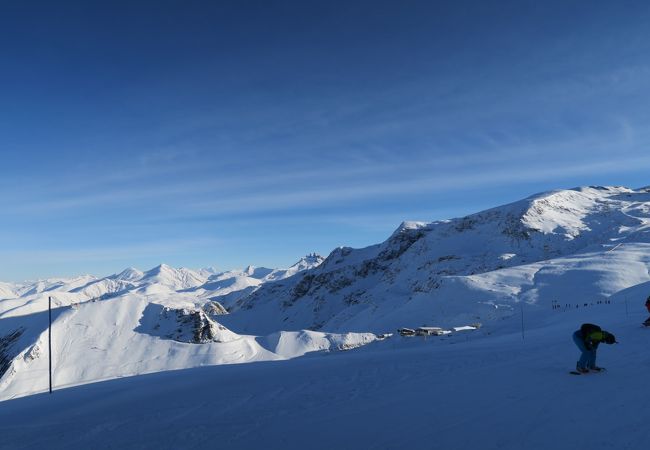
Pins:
x,y
593,335
647,304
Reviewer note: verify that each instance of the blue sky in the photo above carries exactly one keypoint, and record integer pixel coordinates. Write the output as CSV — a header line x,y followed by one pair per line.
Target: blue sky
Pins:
x,y
228,133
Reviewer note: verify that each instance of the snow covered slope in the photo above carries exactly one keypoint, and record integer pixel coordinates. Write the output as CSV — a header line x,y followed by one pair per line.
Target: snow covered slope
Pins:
x,y
54,284
130,323
305,263
466,391
132,335
477,266
7,291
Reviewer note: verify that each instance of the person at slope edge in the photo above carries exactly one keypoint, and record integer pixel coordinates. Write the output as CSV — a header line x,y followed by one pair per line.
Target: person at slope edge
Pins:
x,y
587,338
647,305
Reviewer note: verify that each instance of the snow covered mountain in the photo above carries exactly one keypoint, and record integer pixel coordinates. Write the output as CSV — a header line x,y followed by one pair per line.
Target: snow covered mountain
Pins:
x,y
228,287
53,284
461,270
130,323
160,280
7,291
572,247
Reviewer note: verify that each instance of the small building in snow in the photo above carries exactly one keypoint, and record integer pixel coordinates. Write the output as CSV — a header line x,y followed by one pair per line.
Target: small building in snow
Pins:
x,y
430,331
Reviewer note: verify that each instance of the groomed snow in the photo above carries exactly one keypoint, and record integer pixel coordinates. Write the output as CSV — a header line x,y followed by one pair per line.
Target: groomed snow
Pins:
x,y
487,391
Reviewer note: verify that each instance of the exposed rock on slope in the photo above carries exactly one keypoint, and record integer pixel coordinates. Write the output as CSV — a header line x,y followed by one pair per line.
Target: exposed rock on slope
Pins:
x,y
193,326
7,352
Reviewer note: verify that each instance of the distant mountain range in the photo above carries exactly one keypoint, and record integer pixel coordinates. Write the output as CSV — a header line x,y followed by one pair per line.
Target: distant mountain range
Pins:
x,y
162,279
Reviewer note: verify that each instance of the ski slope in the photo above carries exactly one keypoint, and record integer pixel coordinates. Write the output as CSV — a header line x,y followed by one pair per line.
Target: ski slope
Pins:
x,y
485,390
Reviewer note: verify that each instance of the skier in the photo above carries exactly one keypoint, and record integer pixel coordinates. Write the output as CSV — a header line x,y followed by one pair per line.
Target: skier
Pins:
x,y
587,338
647,305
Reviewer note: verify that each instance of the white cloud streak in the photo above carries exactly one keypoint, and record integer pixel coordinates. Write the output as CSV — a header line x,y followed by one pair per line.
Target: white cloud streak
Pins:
x,y
108,253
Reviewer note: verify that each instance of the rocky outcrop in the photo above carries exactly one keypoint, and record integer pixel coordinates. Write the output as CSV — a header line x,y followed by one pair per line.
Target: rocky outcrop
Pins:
x,y
192,326
6,349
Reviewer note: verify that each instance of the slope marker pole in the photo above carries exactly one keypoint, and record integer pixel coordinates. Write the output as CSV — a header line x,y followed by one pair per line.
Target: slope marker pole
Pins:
x,y
523,338
49,341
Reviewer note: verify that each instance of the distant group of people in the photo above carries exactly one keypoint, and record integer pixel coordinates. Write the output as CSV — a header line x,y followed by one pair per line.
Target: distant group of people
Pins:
x,y
589,337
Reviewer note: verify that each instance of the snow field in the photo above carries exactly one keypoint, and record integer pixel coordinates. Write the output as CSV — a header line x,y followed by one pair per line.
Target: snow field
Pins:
x,y
488,391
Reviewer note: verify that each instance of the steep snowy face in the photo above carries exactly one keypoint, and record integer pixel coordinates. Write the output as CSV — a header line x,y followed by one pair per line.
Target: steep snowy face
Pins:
x,y
175,279
591,212
104,287
419,258
54,284
306,263
7,291
131,274
538,228
256,272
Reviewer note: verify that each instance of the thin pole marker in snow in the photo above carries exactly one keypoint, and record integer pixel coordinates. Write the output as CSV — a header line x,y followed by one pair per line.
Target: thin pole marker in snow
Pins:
x,y
612,249
49,340
523,338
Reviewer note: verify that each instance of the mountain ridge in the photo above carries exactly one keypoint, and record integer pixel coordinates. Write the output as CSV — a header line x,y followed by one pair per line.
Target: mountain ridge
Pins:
x,y
419,258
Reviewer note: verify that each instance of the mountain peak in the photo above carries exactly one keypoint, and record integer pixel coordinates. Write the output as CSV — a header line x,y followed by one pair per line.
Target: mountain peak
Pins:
x,y
129,274
166,275
309,261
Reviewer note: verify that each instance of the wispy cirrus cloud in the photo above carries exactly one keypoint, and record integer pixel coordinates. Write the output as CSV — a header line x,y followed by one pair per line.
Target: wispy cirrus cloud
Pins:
x,y
265,191
104,253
